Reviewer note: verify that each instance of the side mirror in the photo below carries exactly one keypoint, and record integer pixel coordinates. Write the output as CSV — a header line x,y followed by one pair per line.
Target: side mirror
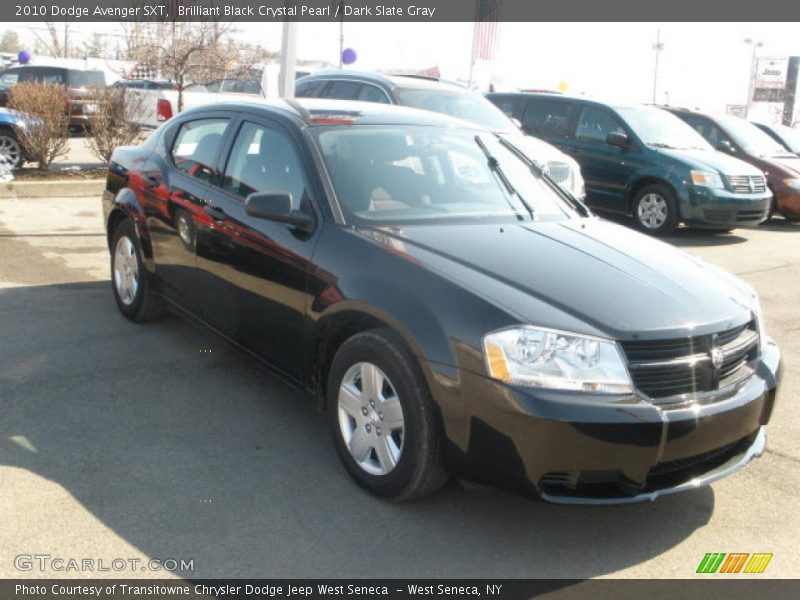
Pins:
x,y
726,146
618,140
277,206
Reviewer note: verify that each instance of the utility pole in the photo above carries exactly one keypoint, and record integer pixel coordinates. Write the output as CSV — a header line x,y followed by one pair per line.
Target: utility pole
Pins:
x,y
341,32
753,66
288,60
658,47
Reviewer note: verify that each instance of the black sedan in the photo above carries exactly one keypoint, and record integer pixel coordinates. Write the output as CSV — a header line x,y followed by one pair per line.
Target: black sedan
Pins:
x,y
449,306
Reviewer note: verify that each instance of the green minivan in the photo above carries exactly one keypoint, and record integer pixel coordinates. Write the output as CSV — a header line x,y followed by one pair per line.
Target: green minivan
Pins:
x,y
644,162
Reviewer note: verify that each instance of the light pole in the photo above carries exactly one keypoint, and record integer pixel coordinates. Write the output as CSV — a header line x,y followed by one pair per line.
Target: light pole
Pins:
x,y
756,44
658,47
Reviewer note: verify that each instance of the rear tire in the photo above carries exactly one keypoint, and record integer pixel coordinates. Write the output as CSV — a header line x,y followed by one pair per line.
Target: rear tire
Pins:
x,y
655,210
383,419
129,280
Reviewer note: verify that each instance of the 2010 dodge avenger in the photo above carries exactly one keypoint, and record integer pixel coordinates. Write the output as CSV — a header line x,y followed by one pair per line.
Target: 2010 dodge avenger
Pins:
x,y
449,306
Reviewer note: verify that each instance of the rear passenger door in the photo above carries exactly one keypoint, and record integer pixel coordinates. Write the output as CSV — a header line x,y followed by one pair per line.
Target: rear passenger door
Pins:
x,y
175,183
255,271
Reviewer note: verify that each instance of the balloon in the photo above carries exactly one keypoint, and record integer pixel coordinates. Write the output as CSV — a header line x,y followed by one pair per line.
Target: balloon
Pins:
x,y
563,86
349,56
24,57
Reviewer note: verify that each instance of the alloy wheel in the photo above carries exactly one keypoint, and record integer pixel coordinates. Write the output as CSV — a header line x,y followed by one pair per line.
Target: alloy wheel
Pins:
x,y
371,418
652,211
126,270
10,151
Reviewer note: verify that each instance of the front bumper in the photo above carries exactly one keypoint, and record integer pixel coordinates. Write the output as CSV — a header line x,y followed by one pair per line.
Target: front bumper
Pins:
x,y
572,448
720,209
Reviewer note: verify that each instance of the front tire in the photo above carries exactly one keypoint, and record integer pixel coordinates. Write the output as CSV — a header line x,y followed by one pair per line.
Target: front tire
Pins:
x,y
129,280
383,419
655,210
11,150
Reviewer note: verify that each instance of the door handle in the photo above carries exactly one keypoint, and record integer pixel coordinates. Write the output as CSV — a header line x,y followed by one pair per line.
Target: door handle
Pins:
x,y
215,213
151,180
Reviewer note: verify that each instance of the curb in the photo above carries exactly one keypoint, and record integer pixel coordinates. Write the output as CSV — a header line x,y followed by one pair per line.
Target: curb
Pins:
x,y
58,188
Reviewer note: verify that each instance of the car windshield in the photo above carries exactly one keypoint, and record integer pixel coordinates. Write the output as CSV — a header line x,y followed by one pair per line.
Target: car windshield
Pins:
x,y
790,136
460,104
751,138
386,175
660,129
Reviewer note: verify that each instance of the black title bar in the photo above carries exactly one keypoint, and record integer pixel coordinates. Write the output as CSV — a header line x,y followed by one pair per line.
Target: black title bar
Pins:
x,y
397,10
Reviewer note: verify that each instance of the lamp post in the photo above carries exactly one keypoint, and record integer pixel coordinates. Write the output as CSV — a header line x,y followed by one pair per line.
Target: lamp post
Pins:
x,y
658,47
756,44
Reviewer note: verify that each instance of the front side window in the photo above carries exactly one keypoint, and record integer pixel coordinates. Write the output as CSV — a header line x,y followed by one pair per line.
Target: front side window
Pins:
x,y
265,160
196,146
751,138
80,79
549,117
388,175
595,123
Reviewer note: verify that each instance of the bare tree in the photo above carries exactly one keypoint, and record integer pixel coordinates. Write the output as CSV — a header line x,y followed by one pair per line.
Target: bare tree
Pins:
x,y
9,41
56,39
45,131
114,121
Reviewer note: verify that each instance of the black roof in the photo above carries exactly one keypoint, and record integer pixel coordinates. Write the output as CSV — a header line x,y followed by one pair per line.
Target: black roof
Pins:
x,y
321,111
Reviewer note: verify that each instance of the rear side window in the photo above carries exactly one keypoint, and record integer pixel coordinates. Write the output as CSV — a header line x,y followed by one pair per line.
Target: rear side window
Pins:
x,y
342,90
508,104
370,93
550,117
265,160
595,123
195,148
79,79
308,89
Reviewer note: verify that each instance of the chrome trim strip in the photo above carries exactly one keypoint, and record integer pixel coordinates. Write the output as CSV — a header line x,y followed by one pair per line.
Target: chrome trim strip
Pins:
x,y
735,463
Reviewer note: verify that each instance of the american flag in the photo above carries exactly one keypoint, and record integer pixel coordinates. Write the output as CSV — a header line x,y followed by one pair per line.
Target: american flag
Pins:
x,y
487,29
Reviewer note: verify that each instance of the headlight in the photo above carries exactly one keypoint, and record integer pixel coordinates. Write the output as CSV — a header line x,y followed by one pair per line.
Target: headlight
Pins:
x,y
577,187
546,358
762,330
707,179
792,183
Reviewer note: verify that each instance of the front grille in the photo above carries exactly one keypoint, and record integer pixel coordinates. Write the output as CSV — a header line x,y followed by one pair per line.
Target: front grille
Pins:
x,y
751,215
674,367
747,184
558,171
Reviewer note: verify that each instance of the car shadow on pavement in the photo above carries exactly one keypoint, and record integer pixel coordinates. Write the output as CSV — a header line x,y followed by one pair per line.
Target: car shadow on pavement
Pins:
x,y
187,448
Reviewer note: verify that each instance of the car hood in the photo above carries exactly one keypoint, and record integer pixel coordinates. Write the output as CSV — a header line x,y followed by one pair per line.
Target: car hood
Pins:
x,y
787,162
616,281
537,150
712,159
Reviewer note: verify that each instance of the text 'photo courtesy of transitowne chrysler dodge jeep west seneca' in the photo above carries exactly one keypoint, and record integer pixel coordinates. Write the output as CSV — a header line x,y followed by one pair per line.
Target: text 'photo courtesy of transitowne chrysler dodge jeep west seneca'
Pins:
x,y
451,307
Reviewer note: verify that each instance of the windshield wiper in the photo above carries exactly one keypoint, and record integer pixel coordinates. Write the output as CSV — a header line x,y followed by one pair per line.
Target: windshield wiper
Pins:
x,y
539,172
495,167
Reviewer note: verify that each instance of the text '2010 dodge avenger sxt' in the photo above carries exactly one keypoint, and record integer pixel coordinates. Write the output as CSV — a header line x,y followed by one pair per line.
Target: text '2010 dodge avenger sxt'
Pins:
x,y
449,306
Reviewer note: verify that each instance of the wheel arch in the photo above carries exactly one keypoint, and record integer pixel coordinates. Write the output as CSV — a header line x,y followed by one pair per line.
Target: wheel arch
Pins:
x,y
126,205
645,180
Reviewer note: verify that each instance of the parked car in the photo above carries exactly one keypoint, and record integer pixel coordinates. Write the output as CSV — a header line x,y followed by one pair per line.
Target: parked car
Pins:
x,y
447,98
642,162
788,137
451,308
740,138
11,151
78,82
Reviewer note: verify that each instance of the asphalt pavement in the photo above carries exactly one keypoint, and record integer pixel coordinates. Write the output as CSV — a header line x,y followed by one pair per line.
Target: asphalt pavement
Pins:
x,y
161,441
